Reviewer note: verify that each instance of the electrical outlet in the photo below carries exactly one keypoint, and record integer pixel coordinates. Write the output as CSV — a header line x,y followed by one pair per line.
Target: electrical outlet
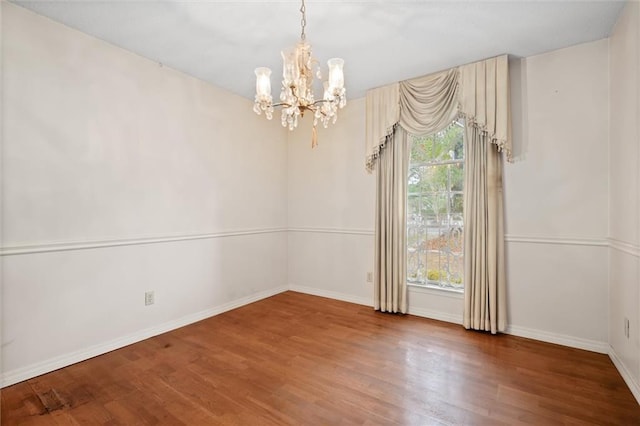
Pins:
x,y
369,277
149,298
626,327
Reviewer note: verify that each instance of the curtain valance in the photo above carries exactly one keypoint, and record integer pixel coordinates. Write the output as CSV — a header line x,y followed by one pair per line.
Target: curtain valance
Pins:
x,y
484,100
433,97
479,92
383,114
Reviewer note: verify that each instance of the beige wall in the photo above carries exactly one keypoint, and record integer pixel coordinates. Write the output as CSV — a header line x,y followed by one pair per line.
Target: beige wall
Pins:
x,y
556,196
624,195
330,209
121,176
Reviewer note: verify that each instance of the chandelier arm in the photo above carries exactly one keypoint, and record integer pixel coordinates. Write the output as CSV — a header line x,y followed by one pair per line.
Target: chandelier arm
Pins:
x,y
322,101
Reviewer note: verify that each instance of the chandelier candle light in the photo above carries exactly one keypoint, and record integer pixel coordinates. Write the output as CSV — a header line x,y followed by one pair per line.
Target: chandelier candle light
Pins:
x,y
297,87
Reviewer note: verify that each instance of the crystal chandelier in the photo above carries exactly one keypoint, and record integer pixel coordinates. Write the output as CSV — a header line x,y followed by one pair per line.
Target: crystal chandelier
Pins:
x,y
297,87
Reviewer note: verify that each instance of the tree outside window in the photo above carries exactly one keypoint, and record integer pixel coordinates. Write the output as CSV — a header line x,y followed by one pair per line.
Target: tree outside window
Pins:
x,y
434,209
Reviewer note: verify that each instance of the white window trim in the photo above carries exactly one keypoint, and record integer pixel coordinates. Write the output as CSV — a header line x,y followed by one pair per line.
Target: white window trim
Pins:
x,y
436,290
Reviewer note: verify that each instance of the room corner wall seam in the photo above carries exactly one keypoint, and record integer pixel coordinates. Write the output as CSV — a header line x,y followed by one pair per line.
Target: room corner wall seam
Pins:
x,y
634,386
331,294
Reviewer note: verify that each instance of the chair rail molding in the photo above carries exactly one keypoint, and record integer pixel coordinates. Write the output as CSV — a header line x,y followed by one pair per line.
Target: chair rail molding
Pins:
x,y
565,241
347,231
82,245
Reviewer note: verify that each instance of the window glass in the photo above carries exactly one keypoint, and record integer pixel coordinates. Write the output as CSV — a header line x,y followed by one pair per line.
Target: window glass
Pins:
x,y
434,209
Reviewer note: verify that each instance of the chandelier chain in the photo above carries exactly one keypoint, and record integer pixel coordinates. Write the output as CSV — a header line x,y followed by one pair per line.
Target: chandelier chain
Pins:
x,y
303,21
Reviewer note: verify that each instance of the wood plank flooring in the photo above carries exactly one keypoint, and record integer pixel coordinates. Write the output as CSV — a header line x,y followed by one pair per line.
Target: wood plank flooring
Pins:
x,y
295,359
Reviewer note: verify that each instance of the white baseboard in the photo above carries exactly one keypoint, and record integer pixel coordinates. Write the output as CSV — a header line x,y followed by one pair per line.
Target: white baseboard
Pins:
x,y
633,385
559,339
331,295
543,336
24,373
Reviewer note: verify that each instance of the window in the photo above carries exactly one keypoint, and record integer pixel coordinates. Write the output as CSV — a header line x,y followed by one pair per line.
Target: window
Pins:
x,y
434,210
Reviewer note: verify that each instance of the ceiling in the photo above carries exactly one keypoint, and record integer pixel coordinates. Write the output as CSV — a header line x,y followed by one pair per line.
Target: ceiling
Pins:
x,y
381,41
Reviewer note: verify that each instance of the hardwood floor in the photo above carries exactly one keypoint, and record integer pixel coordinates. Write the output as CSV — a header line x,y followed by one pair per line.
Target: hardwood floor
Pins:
x,y
305,360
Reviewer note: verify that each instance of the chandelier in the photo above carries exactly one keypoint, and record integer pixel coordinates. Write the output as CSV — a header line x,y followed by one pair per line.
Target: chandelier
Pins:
x,y
297,96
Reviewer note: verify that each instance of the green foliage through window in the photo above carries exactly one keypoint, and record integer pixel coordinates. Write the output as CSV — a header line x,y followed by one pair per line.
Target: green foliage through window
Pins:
x,y
434,209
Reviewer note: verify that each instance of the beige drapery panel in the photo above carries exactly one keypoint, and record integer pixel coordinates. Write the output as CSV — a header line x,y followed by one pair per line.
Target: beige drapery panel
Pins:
x,y
484,101
479,92
484,270
390,283
390,271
